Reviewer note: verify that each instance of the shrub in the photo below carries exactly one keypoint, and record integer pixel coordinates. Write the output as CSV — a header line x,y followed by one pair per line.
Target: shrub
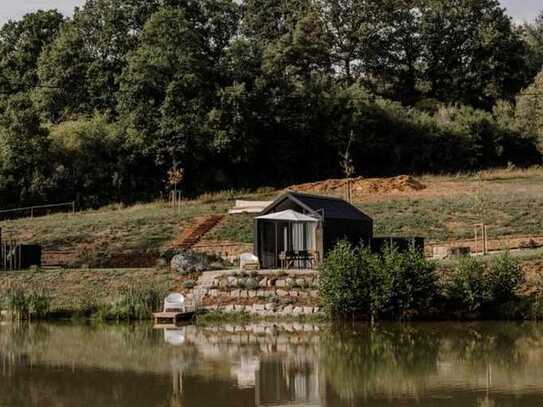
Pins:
x,y
392,285
467,287
536,309
189,284
504,278
409,283
343,288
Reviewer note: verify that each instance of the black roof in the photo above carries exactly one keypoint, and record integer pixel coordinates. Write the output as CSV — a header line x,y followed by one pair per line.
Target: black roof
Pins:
x,y
328,207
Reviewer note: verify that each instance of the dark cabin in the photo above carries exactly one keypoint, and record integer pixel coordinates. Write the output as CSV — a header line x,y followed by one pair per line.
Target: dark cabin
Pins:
x,y
305,227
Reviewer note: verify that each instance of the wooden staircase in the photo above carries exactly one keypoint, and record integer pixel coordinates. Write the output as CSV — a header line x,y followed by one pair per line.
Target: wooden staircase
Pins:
x,y
189,237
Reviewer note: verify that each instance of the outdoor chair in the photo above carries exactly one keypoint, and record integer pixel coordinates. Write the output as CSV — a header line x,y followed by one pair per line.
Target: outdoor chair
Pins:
x,y
313,259
287,259
174,303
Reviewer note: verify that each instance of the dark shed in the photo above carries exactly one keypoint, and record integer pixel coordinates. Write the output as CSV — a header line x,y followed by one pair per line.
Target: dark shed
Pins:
x,y
296,223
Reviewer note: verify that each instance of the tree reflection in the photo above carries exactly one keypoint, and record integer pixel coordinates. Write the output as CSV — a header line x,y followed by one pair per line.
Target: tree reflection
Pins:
x,y
392,360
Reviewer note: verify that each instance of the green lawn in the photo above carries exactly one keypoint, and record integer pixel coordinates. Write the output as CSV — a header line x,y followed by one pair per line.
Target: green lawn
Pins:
x,y
453,217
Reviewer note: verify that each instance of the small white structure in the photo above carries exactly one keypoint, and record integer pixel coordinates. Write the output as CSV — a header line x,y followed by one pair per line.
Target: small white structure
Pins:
x,y
248,261
174,303
249,206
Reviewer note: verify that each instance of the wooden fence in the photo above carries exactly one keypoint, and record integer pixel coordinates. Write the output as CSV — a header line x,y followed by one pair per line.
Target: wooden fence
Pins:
x,y
35,211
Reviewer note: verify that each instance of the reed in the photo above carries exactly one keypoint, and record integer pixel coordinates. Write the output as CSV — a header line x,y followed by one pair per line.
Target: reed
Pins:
x,y
133,303
27,305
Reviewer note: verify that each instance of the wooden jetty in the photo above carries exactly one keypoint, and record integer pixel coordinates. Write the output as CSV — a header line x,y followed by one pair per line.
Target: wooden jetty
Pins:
x,y
172,318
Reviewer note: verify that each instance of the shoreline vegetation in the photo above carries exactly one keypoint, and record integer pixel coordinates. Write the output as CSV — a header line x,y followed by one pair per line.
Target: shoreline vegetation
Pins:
x,y
405,286
353,285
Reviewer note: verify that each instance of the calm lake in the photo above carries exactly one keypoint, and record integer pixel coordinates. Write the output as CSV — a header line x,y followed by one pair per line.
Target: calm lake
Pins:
x,y
284,364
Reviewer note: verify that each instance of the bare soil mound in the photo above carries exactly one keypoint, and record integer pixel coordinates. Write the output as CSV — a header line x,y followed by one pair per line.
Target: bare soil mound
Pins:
x,y
363,186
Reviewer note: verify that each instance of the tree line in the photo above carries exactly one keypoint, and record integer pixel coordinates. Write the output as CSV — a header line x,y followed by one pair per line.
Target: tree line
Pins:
x,y
100,106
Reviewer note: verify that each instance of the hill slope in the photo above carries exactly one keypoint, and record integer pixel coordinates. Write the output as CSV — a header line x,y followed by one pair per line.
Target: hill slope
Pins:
x,y
446,209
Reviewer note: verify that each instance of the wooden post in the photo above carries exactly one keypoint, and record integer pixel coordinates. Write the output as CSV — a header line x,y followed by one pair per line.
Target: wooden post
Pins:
x,y
485,234
476,240
276,249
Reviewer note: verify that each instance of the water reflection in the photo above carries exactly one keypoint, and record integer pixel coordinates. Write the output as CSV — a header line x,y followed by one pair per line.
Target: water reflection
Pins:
x,y
491,364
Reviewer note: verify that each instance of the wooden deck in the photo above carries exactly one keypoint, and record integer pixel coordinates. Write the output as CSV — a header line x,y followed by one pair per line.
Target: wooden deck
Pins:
x,y
172,318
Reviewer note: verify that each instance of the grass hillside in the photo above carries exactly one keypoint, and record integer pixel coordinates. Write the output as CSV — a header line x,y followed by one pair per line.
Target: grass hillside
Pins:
x,y
511,202
449,206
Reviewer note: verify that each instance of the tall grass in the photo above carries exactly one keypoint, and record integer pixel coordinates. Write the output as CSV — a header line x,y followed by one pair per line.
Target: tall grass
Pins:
x,y
27,305
133,303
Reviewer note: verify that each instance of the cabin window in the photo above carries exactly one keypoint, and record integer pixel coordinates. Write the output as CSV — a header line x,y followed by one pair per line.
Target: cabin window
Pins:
x,y
303,236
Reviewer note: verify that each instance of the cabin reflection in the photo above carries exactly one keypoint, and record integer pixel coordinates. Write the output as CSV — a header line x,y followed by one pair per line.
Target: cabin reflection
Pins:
x,y
279,383
260,374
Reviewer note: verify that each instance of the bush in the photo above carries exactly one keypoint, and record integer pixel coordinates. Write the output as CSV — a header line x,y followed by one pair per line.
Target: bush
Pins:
x,y
409,283
393,285
189,284
467,286
536,306
476,286
343,287
505,277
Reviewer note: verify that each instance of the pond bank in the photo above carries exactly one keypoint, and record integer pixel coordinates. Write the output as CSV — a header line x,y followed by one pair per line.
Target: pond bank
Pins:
x,y
81,292
226,295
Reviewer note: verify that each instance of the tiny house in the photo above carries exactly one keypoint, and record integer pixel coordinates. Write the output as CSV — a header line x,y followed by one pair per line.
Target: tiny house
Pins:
x,y
297,230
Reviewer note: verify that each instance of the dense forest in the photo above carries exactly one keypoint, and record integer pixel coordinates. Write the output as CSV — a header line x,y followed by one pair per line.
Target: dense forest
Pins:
x,y
100,107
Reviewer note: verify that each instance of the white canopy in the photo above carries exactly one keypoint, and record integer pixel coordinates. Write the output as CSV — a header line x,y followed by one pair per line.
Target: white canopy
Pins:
x,y
288,216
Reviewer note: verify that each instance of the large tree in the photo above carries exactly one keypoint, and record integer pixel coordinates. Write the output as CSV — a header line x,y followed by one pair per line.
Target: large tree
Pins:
x,y
267,20
172,81
529,110
79,72
24,152
21,43
473,55
533,36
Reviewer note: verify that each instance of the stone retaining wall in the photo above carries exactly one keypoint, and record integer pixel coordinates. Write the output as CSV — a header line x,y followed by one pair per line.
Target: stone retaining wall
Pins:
x,y
260,293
